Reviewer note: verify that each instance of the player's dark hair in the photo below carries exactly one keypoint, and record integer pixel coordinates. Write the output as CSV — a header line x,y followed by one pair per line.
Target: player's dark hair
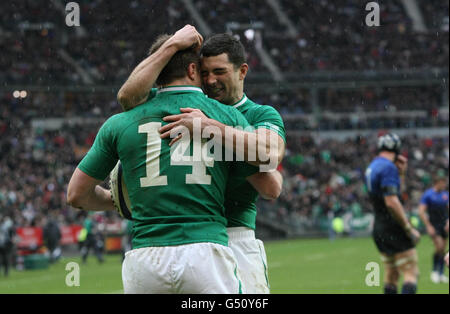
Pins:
x,y
439,176
177,67
225,43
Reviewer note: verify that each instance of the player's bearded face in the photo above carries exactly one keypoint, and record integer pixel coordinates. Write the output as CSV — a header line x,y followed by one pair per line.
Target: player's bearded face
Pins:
x,y
220,79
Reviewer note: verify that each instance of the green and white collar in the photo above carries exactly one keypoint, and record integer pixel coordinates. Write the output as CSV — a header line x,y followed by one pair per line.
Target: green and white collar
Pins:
x,y
241,102
185,88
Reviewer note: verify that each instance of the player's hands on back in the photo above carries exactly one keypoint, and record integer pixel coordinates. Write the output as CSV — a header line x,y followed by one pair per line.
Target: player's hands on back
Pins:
x,y
182,122
187,37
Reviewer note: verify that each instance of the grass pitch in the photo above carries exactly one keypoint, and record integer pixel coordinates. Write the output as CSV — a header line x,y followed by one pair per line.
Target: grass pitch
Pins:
x,y
300,266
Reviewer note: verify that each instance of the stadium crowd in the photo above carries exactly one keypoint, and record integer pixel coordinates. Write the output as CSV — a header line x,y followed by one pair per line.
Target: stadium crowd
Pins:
x,y
425,101
38,48
329,30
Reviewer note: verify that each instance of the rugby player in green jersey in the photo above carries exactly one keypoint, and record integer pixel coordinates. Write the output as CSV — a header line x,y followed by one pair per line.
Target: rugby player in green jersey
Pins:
x,y
223,71
180,241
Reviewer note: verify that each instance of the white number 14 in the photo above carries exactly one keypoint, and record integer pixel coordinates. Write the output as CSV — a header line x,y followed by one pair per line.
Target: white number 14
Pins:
x,y
199,161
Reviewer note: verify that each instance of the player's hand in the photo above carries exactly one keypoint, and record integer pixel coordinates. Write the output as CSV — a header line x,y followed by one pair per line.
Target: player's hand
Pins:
x,y
402,164
187,37
189,120
414,235
446,259
431,231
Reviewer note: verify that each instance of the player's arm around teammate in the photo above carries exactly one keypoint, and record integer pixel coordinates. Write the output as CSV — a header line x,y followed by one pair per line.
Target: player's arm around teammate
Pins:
x,y
268,184
136,89
263,147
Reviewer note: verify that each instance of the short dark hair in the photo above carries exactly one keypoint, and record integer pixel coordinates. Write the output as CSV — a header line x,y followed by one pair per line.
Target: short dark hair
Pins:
x,y
177,66
225,43
439,176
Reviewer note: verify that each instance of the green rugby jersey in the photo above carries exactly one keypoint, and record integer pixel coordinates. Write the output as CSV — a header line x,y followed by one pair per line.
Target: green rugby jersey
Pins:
x,y
174,201
240,196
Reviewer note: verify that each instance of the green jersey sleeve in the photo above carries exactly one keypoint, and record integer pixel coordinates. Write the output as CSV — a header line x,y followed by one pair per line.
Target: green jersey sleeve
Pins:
x,y
243,169
267,117
102,157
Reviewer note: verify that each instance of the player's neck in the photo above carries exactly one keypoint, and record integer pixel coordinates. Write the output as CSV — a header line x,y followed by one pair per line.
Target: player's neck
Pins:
x,y
239,95
437,188
387,155
182,82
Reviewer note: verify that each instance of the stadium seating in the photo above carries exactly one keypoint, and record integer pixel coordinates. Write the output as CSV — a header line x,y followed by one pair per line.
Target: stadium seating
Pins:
x,y
109,47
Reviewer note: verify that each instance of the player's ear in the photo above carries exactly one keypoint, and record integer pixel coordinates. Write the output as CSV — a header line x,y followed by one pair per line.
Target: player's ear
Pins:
x,y
193,71
243,70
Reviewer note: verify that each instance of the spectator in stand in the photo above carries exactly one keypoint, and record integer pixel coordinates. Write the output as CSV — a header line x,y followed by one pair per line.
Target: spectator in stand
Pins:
x,y
6,243
52,237
94,239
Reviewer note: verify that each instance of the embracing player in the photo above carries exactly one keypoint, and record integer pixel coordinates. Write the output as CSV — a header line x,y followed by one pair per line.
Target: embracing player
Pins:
x,y
223,69
180,241
433,211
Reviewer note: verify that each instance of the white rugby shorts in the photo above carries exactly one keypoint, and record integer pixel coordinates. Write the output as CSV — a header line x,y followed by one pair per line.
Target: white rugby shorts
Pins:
x,y
251,258
198,268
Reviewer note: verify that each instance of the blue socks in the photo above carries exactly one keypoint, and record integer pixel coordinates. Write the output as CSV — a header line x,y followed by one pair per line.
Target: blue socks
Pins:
x,y
390,289
409,288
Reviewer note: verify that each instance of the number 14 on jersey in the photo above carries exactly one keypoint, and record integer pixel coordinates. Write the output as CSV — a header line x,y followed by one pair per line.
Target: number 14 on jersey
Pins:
x,y
198,161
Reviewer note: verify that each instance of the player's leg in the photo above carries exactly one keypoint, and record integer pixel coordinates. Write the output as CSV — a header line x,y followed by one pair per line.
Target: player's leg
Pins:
x,y
438,256
407,264
251,258
391,274
440,243
207,268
